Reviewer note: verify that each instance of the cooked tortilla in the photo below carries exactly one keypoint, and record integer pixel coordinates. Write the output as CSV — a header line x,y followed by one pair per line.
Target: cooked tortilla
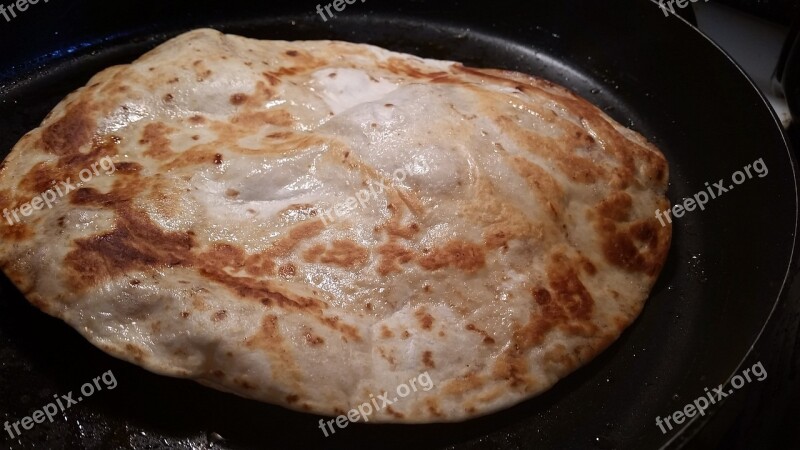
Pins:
x,y
310,223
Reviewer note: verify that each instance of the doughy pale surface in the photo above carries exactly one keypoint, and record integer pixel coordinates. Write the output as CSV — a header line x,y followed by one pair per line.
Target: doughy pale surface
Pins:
x,y
515,243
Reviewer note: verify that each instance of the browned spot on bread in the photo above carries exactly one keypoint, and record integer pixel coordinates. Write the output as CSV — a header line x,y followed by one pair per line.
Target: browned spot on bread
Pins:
x,y
400,66
388,357
40,178
244,384
127,167
225,255
620,245
311,255
262,291
238,99
287,271
312,339
270,340
433,407
135,351
135,244
193,157
348,332
280,135
291,52
71,132
425,319
168,98
487,339
291,399
567,304
406,334
277,117
427,359
392,255
394,413
155,138
197,119
466,256
571,295
345,253
386,333
542,183
457,387
394,228
273,80
219,315
301,232
616,206
588,266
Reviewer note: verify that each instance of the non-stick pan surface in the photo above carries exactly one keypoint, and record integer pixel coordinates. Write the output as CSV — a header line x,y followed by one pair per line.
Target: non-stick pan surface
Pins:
x,y
726,269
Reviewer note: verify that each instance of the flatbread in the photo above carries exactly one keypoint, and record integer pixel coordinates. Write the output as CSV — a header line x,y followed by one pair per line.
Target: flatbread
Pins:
x,y
313,223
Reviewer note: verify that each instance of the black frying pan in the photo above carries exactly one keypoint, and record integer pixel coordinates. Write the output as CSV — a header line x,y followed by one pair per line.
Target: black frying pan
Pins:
x,y
726,271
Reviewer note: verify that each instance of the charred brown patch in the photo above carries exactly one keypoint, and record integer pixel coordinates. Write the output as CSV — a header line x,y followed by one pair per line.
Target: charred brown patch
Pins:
x,y
71,132
197,119
155,137
280,135
392,256
566,305
225,255
262,291
128,167
219,316
433,407
425,320
394,413
313,340
487,339
466,256
348,332
238,99
136,243
287,271
272,79
278,117
616,206
400,66
427,359
40,178
620,245
135,351
344,253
